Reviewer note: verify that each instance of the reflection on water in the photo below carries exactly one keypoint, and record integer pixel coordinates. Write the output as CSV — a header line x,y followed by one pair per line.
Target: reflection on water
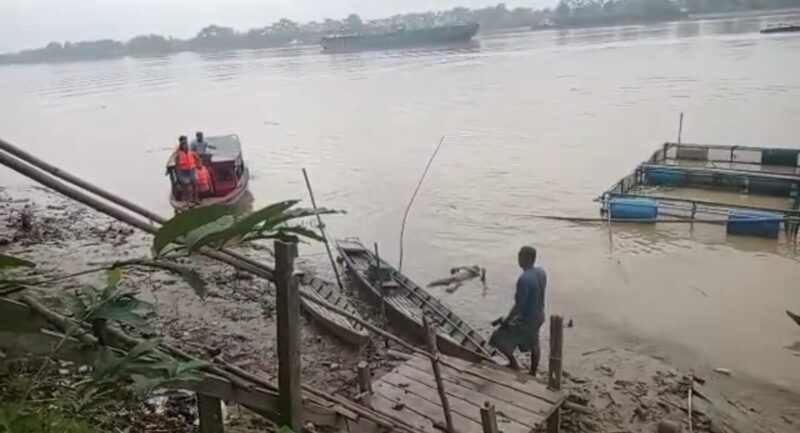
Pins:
x,y
535,123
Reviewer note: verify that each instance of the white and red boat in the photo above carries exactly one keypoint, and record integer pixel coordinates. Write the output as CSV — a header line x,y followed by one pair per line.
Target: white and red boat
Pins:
x,y
228,173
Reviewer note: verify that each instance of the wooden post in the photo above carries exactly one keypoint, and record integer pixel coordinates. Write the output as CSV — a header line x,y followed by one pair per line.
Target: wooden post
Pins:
x,y
430,339
290,404
554,369
489,418
322,231
365,383
554,422
556,349
210,411
364,377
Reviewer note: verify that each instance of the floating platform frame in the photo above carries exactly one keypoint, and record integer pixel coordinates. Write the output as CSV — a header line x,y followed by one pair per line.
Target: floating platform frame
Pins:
x,y
762,171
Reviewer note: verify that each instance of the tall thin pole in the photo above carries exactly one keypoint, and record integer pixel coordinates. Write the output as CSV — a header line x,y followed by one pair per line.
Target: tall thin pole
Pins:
x,y
430,340
680,127
410,202
322,230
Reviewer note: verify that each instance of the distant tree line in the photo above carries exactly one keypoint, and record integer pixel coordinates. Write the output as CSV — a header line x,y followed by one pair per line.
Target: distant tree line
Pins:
x,y
285,32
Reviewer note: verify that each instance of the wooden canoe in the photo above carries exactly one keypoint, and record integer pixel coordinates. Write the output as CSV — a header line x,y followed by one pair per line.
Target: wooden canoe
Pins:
x,y
346,329
406,302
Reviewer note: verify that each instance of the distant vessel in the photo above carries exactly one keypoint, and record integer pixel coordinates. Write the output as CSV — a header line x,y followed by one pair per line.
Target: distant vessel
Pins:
x,y
401,38
782,28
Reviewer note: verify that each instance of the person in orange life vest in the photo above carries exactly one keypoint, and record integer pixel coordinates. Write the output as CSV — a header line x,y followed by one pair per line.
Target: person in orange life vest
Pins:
x,y
185,162
203,179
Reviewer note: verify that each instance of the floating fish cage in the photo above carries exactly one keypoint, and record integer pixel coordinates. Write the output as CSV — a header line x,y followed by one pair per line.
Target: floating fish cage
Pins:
x,y
753,190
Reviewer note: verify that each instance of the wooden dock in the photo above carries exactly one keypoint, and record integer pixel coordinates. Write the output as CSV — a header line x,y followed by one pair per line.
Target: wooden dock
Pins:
x,y
409,392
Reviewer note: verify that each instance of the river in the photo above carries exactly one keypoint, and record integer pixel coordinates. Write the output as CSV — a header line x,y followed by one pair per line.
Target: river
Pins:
x,y
535,123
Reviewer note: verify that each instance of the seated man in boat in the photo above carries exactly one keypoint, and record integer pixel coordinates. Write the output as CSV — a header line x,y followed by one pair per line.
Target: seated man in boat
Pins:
x,y
203,179
186,166
521,327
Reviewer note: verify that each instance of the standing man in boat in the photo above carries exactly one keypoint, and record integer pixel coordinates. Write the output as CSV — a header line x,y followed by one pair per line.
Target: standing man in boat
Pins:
x,y
521,327
186,163
199,145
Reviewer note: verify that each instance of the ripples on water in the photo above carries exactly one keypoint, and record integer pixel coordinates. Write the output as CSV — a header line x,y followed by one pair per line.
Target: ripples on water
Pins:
x,y
536,122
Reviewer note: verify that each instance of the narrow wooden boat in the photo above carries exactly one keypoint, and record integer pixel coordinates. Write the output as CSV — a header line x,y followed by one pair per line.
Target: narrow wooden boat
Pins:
x,y
229,175
406,302
346,329
793,316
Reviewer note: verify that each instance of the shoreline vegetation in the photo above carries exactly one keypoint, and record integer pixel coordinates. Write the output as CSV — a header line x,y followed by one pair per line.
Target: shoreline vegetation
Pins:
x,y
286,33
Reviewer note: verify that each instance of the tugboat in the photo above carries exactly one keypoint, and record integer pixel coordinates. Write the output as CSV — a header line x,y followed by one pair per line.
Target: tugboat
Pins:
x,y
402,38
228,174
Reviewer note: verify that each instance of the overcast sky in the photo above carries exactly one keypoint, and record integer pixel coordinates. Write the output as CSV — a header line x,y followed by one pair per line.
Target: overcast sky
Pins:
x,y
33,23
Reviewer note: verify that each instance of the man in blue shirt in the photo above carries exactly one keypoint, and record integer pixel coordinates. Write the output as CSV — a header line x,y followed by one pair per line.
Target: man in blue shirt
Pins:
x,y
521,327
199,145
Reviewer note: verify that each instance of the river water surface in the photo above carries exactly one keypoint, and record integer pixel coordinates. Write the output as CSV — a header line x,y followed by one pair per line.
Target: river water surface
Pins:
x,y
535,123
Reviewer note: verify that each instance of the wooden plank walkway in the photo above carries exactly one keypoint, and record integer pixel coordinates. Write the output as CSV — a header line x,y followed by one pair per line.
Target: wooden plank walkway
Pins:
x,y
409,392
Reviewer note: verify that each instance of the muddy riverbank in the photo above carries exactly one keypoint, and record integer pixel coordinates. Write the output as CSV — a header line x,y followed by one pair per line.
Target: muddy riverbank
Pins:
x,y
627,384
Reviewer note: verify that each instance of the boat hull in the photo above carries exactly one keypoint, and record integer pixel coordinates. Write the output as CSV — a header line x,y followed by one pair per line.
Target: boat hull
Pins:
x,y
406,312
401,39
231,198
345,329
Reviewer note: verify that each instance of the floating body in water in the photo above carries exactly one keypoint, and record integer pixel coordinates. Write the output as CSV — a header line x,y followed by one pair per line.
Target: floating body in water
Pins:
x,y
458,276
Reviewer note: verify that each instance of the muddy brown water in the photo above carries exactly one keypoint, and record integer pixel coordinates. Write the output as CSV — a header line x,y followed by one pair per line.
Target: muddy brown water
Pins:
x,y
535,122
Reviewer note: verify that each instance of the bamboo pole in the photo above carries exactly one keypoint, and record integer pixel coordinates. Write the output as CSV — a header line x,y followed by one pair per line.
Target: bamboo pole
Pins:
x,y
122,216
411,201
113,198
233,259
322,230
235,375
223,256
430,337
244,264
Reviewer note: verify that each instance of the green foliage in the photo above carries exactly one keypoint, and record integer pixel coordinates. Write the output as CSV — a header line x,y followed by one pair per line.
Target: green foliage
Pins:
x,y
184,222
20,418
14,262
110,303
285,429
218,226
142,369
